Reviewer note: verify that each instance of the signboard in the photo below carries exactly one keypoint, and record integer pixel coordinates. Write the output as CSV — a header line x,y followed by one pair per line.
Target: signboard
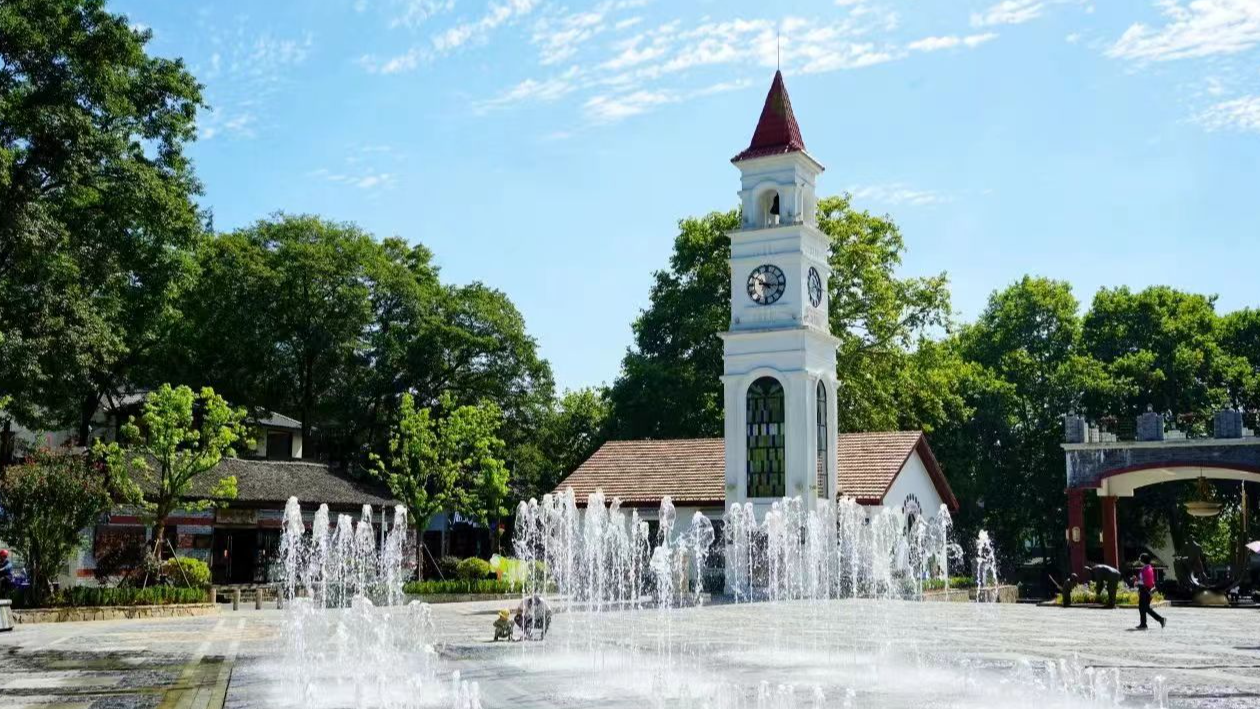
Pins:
x,y
228,515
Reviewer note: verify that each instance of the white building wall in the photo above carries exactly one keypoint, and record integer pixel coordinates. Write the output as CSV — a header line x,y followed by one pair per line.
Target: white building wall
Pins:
x,y
260,445
914,480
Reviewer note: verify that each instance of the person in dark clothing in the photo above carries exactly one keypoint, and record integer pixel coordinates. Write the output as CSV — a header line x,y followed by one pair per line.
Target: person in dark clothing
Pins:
x,y
6,572
1146,586
533,617
1107,577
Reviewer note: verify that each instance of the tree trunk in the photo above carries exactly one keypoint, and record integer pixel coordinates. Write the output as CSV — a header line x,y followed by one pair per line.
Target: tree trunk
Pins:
x,y
307,401
87,409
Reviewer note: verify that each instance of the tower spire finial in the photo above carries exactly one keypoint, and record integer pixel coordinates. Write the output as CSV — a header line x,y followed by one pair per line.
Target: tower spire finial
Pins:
x,y
778,53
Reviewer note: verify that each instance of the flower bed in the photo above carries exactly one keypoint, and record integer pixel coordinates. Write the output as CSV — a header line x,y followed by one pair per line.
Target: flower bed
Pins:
x,y
1125,598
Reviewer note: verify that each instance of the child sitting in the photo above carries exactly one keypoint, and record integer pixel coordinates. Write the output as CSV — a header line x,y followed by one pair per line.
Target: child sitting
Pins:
x,y
502,627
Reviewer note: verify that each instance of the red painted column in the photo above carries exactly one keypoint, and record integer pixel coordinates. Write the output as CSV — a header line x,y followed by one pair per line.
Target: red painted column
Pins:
x,y
1110,536
1076,531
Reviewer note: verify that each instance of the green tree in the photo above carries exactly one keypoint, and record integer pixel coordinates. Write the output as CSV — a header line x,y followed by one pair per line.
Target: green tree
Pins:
x,y
1163,348
669,383
446,463
576,428
414,469
96,203
45,503
1024,375
1240,337
181,438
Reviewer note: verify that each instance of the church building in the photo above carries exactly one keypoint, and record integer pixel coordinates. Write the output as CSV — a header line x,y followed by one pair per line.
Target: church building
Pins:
x,y
779,372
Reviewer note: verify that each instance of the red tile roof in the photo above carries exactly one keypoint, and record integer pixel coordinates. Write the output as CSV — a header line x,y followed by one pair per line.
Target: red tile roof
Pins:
x,y
692,470
777,131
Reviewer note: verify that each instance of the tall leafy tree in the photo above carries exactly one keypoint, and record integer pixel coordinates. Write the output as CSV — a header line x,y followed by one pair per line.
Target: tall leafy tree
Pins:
x,y
413,468
574,427
280,316
1240,337
1024,374
170,452
96,206
45,503
446,461
1163,346
669,383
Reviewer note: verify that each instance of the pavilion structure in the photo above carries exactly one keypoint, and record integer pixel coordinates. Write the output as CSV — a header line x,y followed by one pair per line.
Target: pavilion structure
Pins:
x,y
1115,468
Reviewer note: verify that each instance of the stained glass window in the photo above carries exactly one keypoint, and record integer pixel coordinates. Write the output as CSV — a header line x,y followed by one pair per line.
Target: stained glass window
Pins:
x,y
767,468
821,459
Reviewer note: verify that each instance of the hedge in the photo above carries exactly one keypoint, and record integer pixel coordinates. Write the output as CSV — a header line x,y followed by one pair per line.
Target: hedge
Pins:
x,y
90,596
954,582
472,569
484,586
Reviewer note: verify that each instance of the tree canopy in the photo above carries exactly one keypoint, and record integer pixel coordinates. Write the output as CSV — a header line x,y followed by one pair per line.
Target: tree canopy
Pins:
x,y
96,203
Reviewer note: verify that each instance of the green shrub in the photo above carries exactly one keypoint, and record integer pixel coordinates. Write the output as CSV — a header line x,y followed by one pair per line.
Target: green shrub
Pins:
x,y
447,565
486,586
91,596
186,572
954,582
472,568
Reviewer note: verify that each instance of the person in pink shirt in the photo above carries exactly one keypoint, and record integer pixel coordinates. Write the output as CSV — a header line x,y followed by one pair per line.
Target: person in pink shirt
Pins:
x,y
1146,586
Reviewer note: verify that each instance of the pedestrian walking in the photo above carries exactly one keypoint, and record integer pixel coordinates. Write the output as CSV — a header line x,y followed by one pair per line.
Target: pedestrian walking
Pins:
x,y
1146,586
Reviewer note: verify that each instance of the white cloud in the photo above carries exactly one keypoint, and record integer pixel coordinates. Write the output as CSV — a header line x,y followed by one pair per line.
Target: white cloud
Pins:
x,y
672,62
1008,12
476,31
243,73
361,169
413,13
1073,38
541,91
1241,114
933,44
897,194
453,38
236,125
609,109
1198,28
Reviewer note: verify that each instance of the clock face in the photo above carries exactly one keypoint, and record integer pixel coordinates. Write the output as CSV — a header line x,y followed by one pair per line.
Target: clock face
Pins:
x,y
766,284
815,287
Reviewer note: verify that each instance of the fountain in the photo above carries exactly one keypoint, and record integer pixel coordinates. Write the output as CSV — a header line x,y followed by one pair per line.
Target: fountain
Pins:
x,y
800,609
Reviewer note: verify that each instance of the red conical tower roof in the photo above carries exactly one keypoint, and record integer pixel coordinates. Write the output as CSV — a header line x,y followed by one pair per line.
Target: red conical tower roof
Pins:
x,y
777,131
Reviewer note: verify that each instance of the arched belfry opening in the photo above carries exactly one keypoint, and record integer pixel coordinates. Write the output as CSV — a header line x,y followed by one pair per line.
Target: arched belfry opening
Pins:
x,y
767,440
768,208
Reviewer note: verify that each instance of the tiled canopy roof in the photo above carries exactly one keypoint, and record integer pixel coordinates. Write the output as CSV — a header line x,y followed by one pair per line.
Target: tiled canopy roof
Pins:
x,y
273,481
692,471
777,131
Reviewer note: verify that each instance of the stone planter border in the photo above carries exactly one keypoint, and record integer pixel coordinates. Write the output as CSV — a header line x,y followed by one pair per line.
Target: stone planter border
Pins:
x,y
1005,594
1101,607
72,614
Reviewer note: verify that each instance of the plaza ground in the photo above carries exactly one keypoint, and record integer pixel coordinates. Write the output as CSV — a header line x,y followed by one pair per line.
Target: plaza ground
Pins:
x,y
1209,657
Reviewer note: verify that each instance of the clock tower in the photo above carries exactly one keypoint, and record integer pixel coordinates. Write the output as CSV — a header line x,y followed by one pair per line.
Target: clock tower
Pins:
x,y
779,372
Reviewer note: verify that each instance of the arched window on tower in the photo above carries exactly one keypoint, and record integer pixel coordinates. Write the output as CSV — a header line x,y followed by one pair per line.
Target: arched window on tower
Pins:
x,y
824,445
767,468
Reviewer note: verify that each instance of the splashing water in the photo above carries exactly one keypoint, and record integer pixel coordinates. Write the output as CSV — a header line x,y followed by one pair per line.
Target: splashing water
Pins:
x,y
342,649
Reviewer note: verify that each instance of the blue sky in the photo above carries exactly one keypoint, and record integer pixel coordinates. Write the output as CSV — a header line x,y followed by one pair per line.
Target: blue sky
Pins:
x,y
548,147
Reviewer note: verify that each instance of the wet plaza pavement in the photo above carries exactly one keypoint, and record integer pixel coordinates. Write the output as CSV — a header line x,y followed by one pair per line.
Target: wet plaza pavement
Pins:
x,y
1207,657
